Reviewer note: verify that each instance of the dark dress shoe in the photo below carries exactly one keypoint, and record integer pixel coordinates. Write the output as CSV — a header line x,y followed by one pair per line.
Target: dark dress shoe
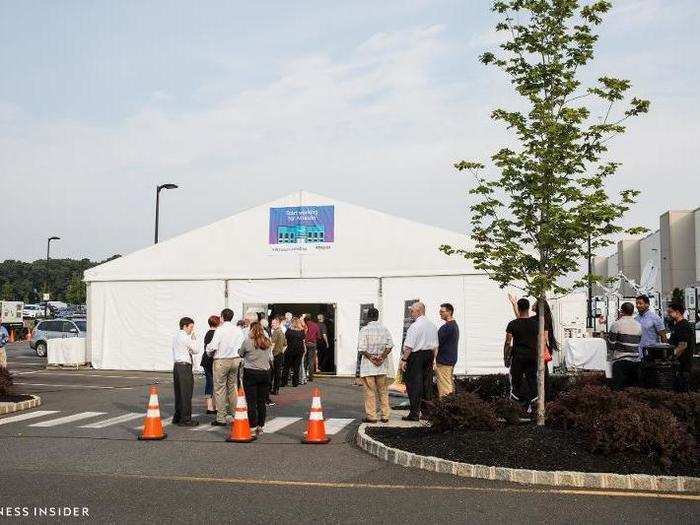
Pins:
x,y
410,417
211,411
189,423
367,420
218,424
385,420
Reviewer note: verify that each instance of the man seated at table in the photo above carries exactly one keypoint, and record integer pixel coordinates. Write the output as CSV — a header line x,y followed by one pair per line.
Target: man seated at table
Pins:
x,y
623,341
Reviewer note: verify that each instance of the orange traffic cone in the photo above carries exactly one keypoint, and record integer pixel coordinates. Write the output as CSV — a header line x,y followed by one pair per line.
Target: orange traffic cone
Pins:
x,y
240,428
316,427
12,336
152,425
28,335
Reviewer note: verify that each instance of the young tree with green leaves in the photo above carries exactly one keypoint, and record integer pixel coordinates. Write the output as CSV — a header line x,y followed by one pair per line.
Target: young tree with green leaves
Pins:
x,y
75,292
534,213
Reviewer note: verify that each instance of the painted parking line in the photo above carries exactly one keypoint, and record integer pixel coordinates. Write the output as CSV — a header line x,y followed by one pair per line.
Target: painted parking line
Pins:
x,y
67,419
335,425
28,415
80,374
278,423
76,386
114,420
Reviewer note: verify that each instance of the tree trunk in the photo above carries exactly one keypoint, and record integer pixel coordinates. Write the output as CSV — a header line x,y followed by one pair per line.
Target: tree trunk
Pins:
x,y
540,361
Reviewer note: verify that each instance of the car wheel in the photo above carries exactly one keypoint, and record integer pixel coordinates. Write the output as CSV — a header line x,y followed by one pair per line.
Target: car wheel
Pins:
x,y
41,349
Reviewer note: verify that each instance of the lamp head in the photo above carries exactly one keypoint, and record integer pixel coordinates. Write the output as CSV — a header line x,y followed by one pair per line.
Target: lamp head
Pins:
x,y
167,186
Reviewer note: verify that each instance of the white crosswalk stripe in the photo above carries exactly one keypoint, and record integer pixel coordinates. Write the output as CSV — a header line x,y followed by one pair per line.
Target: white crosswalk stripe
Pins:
x,y
114,420
335,425
166,421
28,415
208,427
67,419
278,423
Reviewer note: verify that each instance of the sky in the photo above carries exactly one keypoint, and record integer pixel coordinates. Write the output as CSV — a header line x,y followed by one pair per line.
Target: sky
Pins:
x,y
242,102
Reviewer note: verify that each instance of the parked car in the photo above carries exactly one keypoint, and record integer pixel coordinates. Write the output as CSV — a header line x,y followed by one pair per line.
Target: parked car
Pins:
x,y
32,311
56,329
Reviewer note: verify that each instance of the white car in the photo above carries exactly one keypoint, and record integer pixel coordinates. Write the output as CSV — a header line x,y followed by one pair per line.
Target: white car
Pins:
x,y
32,311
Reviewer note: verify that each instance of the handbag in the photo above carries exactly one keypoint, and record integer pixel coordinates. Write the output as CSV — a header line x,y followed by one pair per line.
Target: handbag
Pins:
x,y
547,354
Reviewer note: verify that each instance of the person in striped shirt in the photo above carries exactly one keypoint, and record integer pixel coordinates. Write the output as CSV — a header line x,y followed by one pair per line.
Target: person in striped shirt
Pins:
x,y
623,342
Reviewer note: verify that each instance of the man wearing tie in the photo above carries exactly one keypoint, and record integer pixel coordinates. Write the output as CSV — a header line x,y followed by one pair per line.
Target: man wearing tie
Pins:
x,y
184,347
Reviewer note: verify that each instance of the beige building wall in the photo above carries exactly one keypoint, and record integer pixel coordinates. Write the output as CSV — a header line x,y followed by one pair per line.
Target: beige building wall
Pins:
x,y
650,250
678,268
628,256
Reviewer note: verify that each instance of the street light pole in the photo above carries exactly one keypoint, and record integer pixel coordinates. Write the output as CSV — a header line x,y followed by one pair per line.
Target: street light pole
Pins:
x,y
46,275
158,189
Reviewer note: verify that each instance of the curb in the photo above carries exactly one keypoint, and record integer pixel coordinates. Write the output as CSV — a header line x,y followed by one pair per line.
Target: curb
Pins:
x,y
8,407
593,480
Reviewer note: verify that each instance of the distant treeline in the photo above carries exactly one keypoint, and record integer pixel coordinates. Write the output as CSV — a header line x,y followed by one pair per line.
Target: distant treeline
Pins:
x,y
24,281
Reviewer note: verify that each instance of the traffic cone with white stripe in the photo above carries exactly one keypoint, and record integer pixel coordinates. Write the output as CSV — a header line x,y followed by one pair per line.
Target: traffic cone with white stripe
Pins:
x,y
152,425
316,427
240,427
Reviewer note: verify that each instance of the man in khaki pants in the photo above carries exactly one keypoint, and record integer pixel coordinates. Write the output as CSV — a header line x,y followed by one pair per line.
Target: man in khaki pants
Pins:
x,y
448,345
4,338
224,347
374,345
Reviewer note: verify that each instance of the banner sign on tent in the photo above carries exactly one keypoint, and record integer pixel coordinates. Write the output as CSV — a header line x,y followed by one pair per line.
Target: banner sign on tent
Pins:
x,y
302,229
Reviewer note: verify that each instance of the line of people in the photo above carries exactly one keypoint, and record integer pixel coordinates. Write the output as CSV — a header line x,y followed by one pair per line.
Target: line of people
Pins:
x,y
426,350
249,353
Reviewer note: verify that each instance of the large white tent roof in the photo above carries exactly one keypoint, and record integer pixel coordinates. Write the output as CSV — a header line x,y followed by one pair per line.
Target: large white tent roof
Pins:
x,y
368,243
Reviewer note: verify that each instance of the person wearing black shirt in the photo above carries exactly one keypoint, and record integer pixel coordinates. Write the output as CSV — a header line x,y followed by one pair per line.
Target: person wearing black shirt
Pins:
x,y
295,336
448,344
520,353
683,341
207,364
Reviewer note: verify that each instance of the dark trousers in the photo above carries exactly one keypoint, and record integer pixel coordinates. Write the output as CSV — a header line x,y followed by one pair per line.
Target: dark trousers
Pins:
x,y
310,360
625,374
183,382
257,387
681,381
292,361
419,379
277,373
523,369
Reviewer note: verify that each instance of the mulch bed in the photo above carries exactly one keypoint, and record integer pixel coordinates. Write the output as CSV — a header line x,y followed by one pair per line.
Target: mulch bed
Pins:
x,y
522,446
14,398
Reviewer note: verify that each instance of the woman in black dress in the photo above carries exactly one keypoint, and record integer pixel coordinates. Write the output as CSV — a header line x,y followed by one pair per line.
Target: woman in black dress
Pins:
x,y
207,364
295,351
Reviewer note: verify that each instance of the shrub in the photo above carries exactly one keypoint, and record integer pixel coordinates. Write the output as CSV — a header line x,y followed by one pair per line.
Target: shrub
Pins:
x,y
643,430
487,387
578,408
5,381
508,409
686,407
463,411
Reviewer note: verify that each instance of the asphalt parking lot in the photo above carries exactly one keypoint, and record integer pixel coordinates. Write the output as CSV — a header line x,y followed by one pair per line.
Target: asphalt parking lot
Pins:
x,y
81,450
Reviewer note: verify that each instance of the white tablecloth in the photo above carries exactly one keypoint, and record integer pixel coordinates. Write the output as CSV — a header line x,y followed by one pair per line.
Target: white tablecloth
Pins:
x,y
68,351
586,353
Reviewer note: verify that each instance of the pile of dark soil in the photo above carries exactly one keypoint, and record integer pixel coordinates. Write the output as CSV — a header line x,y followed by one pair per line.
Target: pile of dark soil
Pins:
x,y
522,446
10,398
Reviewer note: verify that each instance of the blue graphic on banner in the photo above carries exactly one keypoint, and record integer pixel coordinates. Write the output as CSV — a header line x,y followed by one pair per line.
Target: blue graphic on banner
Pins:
x,y
302,228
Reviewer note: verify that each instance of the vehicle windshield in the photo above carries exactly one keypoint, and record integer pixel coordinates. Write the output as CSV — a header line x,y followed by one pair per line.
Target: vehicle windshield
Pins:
x,y
82,325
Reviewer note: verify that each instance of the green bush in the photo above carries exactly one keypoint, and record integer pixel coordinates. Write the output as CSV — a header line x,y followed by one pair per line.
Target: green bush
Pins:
x,y
463,411
642,430
686,407
487,387
5,381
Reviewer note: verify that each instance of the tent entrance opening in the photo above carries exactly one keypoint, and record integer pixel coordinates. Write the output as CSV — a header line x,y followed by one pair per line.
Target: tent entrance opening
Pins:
x,y
324,315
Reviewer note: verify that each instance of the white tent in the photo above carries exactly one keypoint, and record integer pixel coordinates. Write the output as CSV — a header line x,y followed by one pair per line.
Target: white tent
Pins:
x,y
366,257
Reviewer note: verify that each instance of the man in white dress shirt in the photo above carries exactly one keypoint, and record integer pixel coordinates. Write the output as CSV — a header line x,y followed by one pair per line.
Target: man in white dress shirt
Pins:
x,y
419,352
224,347
184,347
